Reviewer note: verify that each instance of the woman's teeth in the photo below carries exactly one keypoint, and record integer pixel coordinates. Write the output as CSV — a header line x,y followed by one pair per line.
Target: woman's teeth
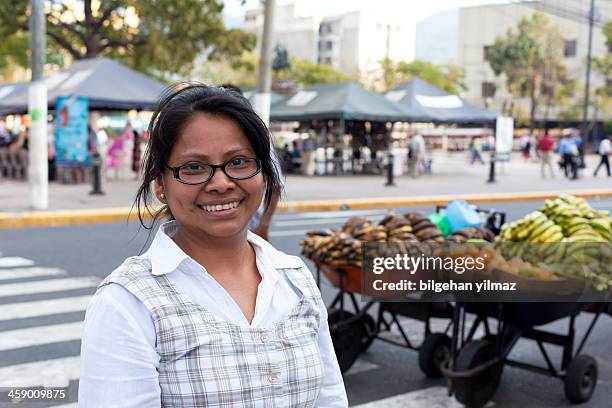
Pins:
x,y
220,207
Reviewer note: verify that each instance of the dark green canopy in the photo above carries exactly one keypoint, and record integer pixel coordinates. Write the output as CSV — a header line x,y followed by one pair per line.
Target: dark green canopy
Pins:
x,y
340,100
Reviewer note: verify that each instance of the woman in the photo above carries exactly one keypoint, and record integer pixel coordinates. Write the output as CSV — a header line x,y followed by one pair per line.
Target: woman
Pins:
x,y
211,315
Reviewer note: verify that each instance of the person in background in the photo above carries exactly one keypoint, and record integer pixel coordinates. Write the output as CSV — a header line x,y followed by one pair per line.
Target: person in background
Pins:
x,y
569,152
546,146
308,151
416,153
579,142
526,147
604,149
474,150
136,153
296,157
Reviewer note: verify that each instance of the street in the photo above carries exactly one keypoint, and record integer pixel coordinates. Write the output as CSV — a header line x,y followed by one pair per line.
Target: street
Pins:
x,y
47,276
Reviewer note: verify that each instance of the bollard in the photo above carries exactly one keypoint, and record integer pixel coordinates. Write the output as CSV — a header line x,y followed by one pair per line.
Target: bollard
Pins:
x,y
492,169
389,170
96,176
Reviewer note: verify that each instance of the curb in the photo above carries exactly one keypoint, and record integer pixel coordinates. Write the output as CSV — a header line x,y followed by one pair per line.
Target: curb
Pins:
x,y
109,215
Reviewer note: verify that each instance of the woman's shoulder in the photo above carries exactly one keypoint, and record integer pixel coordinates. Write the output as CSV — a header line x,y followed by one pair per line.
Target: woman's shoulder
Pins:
x,y
132,269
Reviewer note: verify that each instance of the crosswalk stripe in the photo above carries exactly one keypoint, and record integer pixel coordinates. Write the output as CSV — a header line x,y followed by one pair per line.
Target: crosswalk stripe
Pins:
x,y
46,286
433,397
24,310
12,261
40,335
49,373
71,405
360,366
17,273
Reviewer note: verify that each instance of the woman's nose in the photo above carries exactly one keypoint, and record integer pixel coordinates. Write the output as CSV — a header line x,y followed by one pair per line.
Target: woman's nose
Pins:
x,y
219,182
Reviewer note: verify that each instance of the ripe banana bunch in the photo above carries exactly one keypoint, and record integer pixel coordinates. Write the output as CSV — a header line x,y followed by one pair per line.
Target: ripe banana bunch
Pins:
x,y
398,228
332,247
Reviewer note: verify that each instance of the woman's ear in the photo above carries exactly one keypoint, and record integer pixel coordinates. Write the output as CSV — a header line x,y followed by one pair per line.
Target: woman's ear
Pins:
x,y
158,187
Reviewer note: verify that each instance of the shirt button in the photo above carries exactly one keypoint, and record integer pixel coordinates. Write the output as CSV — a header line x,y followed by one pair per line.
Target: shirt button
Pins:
x,y
264,338
273,378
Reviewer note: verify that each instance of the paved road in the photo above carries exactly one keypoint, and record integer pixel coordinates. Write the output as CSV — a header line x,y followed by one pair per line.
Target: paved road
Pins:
x,y
47,276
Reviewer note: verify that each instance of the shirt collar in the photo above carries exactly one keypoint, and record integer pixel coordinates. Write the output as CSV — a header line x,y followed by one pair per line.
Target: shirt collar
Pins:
x,y
166,256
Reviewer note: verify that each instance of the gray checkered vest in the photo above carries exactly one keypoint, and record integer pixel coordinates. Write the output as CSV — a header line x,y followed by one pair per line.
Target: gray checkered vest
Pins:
x,y
209,362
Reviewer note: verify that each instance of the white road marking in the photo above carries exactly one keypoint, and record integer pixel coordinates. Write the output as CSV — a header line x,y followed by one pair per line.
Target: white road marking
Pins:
x,y
48,373
24,310
71,405
12,261
289,233
46,286
433,397
17,273
360,366
40,335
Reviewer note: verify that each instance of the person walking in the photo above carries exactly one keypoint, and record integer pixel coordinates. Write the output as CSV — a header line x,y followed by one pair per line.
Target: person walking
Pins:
x,y
474,150
416,153
211,315
569,152
546,145
525,143
605,147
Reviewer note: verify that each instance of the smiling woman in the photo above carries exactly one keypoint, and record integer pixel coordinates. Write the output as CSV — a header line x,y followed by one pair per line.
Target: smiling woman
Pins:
x,y
211,315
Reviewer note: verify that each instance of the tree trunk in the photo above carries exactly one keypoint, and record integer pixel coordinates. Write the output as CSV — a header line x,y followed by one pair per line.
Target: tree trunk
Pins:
x,y
534,105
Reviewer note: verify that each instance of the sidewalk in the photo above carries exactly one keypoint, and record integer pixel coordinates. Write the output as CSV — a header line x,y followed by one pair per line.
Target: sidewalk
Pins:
x,y
451,175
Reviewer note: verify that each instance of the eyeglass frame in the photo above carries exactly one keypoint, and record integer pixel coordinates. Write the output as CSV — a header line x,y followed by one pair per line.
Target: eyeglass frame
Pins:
x,y
176,169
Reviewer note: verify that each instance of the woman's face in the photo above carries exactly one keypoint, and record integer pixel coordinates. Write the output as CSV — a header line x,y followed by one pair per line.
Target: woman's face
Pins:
x,y
211,139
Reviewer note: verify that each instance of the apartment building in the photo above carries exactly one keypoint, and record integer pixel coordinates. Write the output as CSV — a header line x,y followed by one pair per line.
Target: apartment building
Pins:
x,y
479,26
353,42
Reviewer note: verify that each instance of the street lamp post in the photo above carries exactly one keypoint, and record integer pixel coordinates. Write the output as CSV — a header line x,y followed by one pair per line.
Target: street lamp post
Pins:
x,y
37,109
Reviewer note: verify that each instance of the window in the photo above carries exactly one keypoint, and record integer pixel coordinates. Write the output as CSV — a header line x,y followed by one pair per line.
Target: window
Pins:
x,y
327,61
610,48
570,48
329,45
488,89
485,51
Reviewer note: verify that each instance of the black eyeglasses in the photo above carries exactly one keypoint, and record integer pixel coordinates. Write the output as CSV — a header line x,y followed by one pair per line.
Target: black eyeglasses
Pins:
x,y
239,168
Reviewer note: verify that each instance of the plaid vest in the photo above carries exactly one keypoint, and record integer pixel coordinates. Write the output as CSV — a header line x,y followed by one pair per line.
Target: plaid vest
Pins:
x,y
209,362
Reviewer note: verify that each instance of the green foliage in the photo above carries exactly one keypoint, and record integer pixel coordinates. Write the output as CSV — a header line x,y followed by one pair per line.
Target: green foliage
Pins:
x,y
447,77
531,58
281,59
308,73
154,36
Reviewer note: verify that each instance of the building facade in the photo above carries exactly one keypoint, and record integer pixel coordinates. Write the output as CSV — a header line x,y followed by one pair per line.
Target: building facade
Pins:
x,y
353,42
479,26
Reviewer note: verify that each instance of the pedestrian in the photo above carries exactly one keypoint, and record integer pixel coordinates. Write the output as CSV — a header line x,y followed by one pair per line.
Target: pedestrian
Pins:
x,y
211,315
416,152
308,156
474,150
525,143
604,150
296,157
546,146
569,152
579,142
136,152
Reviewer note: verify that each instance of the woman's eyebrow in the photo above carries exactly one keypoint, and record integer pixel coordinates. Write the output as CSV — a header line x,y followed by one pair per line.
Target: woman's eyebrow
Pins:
x,y
197,155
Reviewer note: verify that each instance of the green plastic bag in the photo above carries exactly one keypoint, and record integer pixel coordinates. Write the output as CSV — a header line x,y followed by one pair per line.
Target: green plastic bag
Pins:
x,y
441,220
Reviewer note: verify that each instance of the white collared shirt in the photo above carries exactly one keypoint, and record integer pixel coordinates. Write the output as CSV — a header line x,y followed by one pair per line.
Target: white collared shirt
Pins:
x,y
119,361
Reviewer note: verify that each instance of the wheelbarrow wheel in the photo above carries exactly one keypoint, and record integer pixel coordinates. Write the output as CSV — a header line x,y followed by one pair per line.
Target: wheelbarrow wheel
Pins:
x,y
370,329
475,391
434,353
580,379
344,328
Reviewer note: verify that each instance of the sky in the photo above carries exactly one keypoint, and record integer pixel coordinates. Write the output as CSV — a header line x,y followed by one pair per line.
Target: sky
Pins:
x,y
413,10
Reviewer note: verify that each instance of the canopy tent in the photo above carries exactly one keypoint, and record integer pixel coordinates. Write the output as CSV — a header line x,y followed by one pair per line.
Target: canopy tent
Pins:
x,y
6,90
249,93
106,83
341,101
438,105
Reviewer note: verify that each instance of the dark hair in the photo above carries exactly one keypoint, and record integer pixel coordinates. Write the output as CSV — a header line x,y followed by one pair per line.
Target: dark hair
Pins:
x,y
176,106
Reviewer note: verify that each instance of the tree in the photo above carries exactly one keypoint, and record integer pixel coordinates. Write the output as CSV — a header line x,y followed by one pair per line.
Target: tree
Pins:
x,y
157,37
281,59
447,77
531,59
309,73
